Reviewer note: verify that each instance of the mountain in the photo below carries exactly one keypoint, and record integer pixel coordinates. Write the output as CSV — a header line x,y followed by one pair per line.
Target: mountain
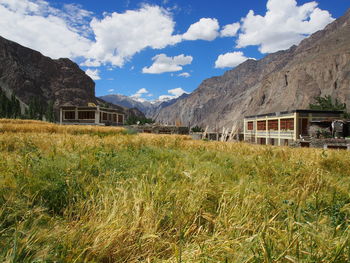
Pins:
x,y
146,107
281,81
150,109
31,76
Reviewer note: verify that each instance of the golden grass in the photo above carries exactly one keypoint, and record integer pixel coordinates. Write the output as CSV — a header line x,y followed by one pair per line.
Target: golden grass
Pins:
x,y
77,197
33,126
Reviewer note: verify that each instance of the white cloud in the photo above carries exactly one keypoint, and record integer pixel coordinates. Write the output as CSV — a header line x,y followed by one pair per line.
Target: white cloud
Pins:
x,y
173,94
230,30
184,74
162,63
177,92
90,63
138,95
142,91
284,24
119,36
37,25
111,90
94,74
230,60
204,29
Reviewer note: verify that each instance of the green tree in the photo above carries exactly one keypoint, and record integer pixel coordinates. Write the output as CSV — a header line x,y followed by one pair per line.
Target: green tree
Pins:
x,y
134,120
197,129
50,113
326,103
9,108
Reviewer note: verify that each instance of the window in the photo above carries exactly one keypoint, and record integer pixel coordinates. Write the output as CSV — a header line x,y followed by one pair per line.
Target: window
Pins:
x,y
287,124
69,115
114,117
273,125
120,118
104,116
250,126
86,115
261,125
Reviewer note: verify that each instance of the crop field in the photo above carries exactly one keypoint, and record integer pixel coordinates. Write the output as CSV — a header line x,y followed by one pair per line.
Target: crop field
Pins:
x,y
103,194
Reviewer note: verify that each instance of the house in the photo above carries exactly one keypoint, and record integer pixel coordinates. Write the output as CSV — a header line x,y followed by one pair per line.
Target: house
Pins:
x,y
92,115
282,128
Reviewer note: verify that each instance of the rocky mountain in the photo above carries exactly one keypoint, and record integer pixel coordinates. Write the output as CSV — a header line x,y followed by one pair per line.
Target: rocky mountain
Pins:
x,y
28,74
281,81
146,107
150,109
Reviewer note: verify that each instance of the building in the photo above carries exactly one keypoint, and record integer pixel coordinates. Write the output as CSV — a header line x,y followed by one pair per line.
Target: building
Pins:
x,y
282,128
92,115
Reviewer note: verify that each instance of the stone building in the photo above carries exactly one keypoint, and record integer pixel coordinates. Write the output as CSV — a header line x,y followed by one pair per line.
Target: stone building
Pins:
x,y
283,128
92,115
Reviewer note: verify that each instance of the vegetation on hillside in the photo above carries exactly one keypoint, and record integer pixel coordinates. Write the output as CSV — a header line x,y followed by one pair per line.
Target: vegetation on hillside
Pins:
x,y
37,110
9,108
327,103
138,120
197,129
86,194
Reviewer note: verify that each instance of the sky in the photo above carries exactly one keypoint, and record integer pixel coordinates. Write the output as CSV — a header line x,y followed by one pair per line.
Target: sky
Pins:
x,y
159,49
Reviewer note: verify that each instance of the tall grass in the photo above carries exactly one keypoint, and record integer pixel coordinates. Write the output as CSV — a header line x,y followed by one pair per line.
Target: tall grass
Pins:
x,y
82,197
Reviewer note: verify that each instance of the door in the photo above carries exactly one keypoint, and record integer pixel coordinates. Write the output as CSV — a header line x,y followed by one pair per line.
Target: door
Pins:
x,y
304,127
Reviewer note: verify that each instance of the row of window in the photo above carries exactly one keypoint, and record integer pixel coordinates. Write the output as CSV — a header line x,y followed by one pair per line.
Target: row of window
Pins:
x,y
112,117
285,124
90,115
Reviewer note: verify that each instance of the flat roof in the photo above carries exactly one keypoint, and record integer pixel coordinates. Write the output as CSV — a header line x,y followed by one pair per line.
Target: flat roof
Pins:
x,y
91,108
293,111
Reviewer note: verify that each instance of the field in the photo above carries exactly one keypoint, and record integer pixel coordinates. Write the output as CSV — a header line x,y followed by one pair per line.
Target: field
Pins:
x,y
95,194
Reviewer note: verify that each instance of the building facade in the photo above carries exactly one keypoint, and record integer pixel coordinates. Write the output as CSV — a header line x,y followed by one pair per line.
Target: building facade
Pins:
x,y
92,115
282,128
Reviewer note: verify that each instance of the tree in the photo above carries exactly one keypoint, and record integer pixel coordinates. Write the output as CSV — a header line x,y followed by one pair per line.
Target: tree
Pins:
x,y
9,108
197,129
326,103
50,113
134,120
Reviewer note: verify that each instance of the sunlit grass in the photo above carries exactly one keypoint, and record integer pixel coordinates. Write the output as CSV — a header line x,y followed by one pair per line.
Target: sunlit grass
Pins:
x,y
68,194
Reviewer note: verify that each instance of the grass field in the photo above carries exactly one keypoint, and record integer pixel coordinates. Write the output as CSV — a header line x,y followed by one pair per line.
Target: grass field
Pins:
x,y
95,194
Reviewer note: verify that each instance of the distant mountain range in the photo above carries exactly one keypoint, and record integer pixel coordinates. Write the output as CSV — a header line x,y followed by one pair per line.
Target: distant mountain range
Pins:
x,y
150,109
281,81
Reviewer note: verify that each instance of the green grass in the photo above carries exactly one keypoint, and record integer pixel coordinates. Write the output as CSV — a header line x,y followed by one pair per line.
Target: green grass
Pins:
x,y
98,196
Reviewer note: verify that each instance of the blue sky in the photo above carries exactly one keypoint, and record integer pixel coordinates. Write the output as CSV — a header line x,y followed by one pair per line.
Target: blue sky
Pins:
x,y
161,48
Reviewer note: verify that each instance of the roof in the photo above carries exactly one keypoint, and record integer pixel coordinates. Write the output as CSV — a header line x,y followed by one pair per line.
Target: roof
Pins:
x,y
293,111
92,108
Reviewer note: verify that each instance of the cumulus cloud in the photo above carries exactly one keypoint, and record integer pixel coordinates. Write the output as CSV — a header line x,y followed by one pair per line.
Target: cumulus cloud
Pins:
x,y
184,74
162,63
37,25
204,29
94,74
284,24
230,30
138,95
90,63
173,94
230,60
119,36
